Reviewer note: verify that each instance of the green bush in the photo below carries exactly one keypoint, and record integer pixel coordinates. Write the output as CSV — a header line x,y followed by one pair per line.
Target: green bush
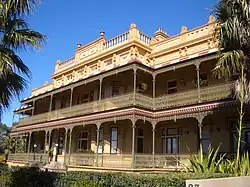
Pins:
x,y
33,177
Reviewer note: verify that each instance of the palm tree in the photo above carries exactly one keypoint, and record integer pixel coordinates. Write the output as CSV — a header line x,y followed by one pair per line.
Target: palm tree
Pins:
x,y
15,36
234,41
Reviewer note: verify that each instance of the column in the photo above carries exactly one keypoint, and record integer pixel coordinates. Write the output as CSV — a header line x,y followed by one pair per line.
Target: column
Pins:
x,y
153,148
134,93
71,97
133,143
49,135
33,110
97,141
51,102
154,91
65,144
100,89
70,139
45,142
198,80
200,125
16,142
30,133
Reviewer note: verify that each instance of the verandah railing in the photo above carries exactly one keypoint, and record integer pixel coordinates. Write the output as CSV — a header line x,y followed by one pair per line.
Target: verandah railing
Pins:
x,y
189,97
25,157
125,160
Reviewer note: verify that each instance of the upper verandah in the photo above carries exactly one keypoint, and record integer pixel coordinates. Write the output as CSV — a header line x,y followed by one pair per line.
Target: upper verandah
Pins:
x,y
160,50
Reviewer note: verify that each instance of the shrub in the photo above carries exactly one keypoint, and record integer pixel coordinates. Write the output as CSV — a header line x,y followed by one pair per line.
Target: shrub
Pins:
x,y
206,163
237,169
30,177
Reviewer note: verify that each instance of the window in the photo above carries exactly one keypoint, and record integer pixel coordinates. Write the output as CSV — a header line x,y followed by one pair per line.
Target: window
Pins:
x,y
116,88
206,136
172,86
114,140
83,141
139,140
170,141
245,144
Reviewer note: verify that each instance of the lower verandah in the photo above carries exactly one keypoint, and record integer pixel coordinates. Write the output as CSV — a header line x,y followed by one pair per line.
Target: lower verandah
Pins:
x,y
173,140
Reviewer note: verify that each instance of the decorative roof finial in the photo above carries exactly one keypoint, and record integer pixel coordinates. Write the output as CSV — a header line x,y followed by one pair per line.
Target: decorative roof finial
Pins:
x,y
211,19
183,29
79,45
102,33
132,25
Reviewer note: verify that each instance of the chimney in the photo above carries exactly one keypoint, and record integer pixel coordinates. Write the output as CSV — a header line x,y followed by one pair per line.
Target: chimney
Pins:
x,y
160,34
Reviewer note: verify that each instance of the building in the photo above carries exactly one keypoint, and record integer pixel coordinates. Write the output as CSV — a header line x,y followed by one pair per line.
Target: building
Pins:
x,y
131,102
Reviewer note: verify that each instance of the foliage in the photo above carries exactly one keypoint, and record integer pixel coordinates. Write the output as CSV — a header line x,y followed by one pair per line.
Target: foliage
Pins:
x,y
202,83
4,131
8,144
205,163
212,162
2,158
27,177
232,167
15,36
50,152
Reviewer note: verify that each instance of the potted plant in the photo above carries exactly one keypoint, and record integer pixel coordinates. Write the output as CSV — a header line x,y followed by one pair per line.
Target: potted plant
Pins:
x,y
50,154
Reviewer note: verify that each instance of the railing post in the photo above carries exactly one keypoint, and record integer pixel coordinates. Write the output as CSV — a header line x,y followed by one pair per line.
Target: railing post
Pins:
x,y
30,133
133,142
154,91
153,148
70,139
65,144
197,64
134,91
98,125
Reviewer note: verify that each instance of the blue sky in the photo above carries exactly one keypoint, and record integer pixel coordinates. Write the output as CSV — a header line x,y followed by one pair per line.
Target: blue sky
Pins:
x,y
67,23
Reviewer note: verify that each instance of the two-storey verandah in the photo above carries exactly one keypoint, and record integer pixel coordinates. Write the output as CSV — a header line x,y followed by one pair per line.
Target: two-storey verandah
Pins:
x,y
133,137
95,134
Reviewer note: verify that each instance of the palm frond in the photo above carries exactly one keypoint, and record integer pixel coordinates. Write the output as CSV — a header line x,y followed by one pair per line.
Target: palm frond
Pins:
x,y
229,63
11,86
17,35
20,7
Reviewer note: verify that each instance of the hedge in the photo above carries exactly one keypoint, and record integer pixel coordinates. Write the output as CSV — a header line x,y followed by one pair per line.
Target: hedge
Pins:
x,y
32,177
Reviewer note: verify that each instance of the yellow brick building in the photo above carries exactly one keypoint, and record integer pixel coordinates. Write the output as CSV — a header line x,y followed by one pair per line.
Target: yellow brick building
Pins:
x,y
133,101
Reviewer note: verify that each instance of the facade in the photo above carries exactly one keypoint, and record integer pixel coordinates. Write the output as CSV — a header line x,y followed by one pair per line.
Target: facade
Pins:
x,y
133,101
